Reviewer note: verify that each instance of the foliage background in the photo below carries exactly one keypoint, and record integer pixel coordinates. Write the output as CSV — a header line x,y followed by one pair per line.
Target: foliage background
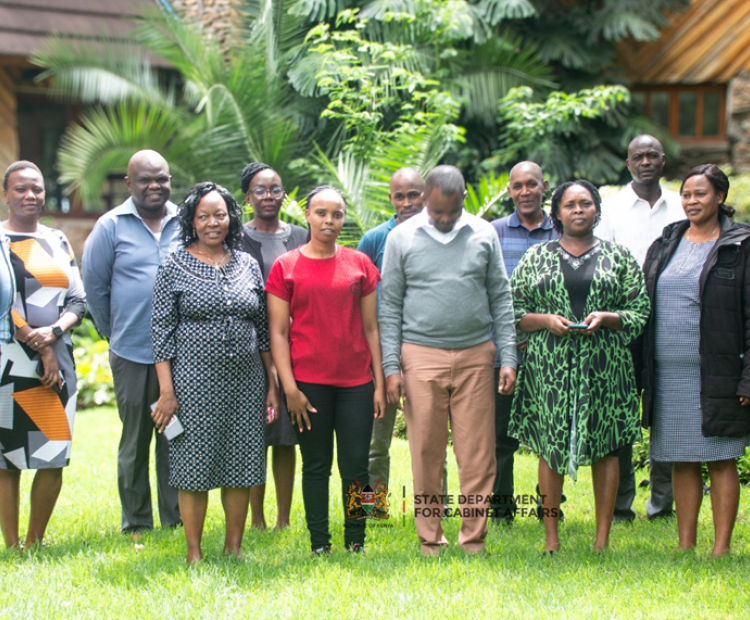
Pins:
x,y
347,91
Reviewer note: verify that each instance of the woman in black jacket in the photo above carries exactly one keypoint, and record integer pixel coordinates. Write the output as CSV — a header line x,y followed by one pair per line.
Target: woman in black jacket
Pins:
x,y
697,371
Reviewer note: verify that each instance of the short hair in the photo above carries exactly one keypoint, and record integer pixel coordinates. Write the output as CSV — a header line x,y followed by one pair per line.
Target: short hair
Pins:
x,y
186,214
718,180
557,195
323,188
249,171
448,180
19,165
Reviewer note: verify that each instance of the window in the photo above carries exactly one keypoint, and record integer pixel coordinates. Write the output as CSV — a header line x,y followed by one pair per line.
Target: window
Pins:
x,y
690,113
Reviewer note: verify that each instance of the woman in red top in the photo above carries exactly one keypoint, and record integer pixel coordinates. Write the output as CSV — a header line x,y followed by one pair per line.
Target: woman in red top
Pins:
x,y
328,360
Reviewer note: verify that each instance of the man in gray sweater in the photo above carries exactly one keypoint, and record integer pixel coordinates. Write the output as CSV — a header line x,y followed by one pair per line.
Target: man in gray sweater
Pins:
x,y
444,286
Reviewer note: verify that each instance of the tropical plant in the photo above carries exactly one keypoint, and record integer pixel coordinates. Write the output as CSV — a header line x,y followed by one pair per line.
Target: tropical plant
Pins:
x,y
91,352
488,198
217,110
568,135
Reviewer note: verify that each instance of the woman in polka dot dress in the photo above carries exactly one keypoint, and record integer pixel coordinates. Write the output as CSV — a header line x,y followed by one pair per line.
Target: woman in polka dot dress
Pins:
x,y
210,339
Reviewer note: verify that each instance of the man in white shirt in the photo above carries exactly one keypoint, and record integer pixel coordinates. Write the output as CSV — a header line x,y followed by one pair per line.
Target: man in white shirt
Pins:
x,y
635,218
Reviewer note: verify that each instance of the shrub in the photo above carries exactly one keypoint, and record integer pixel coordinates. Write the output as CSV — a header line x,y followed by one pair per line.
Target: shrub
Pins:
x,y
91,353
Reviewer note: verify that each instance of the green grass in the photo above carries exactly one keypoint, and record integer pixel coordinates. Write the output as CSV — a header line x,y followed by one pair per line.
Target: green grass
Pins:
x,y
88,569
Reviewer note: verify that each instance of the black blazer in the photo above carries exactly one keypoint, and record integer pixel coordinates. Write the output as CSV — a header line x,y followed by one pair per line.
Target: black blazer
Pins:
x,y
724,326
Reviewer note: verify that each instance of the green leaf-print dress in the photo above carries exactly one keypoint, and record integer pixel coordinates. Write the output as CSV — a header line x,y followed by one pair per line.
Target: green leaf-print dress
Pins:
x,y
584,384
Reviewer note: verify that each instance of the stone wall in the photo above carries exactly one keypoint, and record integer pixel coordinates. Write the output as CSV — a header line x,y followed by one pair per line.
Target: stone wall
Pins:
x,y
738,123
222,18
697,153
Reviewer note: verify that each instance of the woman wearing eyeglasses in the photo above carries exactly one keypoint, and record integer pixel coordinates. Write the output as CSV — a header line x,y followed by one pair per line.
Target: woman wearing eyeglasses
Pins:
x,y
265,238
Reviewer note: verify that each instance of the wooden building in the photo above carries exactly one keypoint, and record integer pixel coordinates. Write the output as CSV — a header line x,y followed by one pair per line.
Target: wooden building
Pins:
x,y
695,81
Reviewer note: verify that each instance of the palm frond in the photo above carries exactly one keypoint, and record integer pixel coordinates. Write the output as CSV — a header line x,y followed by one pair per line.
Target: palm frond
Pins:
x,y
555,46
99,72
492,69
380,10
351,176
105,139
318,10
487,195
496,11
196,56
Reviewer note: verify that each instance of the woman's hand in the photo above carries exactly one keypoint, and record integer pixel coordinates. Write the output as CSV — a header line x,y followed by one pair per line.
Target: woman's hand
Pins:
x,y
596,320
744,401
298,407
380,401
51,378
39,338
166,407
272,404
557,325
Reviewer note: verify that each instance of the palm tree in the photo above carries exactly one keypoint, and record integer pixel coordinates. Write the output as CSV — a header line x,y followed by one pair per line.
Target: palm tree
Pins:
x,y
217,109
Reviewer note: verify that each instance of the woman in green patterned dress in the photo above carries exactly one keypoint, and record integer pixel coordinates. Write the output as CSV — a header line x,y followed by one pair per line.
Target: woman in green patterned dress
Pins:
x,y
579,300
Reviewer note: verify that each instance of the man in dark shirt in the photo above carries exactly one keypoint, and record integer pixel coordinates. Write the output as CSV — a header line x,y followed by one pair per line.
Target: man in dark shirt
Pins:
x,y
407,197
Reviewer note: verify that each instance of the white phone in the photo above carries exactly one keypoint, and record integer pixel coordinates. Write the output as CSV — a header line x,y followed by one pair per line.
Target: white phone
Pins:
x,y
174,428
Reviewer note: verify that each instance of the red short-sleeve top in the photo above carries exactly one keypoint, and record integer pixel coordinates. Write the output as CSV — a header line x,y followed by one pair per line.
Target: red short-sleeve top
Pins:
x,y
326,336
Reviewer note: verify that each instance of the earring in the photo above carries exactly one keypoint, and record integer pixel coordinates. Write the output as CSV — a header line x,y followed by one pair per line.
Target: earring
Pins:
x,y
195,233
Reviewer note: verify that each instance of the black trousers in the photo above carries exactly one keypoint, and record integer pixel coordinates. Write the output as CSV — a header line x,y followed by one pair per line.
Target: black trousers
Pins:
x,y
503,503
347,412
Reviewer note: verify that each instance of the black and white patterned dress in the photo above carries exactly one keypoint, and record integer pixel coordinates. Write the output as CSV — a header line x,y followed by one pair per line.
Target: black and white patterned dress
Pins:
x,y
36,422
676,427
211,324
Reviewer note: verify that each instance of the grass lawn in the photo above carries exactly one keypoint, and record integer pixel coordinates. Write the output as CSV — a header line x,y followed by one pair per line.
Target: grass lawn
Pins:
x,y
88,569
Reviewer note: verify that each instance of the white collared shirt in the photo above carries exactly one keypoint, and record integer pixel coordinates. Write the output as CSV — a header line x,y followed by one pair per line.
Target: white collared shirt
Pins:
x,y
634,223
425,222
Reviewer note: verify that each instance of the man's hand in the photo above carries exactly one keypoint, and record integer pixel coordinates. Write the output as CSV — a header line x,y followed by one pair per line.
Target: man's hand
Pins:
x,y
506,381
394,387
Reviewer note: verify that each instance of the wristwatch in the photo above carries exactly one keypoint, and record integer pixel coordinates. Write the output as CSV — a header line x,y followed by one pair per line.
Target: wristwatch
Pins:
x,y
57,330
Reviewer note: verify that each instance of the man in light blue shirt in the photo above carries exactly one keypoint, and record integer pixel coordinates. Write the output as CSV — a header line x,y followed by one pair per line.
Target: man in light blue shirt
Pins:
x,y
120,260
7,291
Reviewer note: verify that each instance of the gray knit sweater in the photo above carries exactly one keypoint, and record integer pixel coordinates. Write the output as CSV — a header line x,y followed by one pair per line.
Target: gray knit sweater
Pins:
x,y
444,296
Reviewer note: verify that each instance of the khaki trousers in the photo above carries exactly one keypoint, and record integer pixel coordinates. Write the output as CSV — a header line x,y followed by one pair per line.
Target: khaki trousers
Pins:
x,y
453,386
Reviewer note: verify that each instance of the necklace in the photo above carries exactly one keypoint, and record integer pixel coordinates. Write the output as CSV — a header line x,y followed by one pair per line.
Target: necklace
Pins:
x,y
216,263
687,234
695,244
576,261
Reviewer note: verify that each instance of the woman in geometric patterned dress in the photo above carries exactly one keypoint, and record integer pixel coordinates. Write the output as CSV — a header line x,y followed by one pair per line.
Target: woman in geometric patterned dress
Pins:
x,y
37,380
697,353
209,334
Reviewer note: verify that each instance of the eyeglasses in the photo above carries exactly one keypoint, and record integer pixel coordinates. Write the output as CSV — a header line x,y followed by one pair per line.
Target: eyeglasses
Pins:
x,y
276,192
